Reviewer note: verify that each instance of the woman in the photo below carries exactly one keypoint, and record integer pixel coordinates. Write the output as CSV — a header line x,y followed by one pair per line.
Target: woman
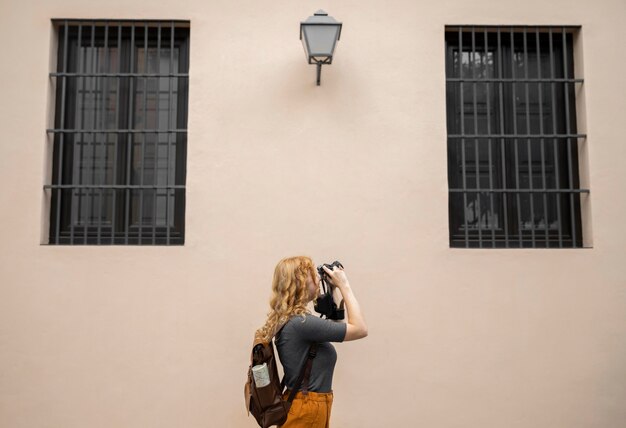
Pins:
x,y
295,284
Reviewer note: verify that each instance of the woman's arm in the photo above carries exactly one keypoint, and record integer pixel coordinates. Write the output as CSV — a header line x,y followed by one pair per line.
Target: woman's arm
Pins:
x,y
356,327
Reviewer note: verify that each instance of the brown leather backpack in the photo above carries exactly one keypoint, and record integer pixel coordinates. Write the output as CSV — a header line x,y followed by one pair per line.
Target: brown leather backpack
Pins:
x,y
267,404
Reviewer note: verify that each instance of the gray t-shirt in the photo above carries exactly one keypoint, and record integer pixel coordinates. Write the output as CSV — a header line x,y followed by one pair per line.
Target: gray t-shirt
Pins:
x,y
293,342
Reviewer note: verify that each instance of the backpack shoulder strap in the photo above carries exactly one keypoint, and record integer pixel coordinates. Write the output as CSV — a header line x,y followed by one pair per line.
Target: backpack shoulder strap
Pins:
x,y
307,370
305,373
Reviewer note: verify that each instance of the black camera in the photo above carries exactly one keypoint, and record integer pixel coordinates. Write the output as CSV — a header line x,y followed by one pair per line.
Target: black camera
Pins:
x,y
325,304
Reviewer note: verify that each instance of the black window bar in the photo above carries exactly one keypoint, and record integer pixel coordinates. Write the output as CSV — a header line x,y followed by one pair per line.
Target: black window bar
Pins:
x,y
120,132
512,140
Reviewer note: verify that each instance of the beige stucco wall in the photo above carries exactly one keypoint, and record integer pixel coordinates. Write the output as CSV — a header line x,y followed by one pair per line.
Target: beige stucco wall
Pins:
x,y
353,170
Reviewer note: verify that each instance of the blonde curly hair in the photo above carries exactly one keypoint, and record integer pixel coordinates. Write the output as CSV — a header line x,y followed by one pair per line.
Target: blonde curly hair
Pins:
x,y
290,295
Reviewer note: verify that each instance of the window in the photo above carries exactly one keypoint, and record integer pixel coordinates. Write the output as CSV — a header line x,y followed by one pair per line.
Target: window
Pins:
x,y
120,133
512,140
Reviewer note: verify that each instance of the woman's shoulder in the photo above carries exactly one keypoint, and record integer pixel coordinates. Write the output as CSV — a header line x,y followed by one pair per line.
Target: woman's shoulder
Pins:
x,y
296,319
314,329
295,322
305,322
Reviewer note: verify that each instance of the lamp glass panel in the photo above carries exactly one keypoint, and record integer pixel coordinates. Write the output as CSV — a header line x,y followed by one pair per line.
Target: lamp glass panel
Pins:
x,y
321,39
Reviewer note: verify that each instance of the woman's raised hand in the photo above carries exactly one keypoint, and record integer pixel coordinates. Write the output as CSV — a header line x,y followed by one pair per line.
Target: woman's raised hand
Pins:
x,y
356,327
337,277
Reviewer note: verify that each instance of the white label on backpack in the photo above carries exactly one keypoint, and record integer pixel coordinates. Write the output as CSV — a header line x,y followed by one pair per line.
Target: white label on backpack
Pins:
x,y
261,375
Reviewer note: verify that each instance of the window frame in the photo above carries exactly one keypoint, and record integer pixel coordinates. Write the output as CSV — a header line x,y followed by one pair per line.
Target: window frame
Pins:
x,y
502,41
64,228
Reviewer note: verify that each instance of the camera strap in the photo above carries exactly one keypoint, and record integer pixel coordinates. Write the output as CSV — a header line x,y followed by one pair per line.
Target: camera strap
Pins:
x,y
324,286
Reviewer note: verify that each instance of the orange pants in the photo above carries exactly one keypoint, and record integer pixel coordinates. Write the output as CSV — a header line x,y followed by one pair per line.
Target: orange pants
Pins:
x,y
309,411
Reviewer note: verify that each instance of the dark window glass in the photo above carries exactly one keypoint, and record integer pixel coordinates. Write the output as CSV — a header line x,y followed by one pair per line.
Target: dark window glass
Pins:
x,y
120,133
512,141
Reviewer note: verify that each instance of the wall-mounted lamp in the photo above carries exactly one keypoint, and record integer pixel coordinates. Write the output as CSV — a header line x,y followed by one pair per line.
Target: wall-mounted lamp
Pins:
x,y
319,35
